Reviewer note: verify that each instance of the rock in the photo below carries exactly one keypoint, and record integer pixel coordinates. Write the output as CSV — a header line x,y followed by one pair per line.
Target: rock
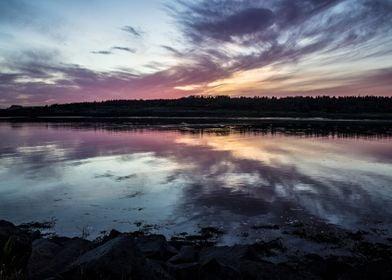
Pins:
x,y
228,256
213,269
331,268
105,238
178,243
330,237
209,232
155,247
186,271
269,248
357,236
187,254
157,269
275,227
265,270
380,270
137,256
51,256
374,251
118,258
15,247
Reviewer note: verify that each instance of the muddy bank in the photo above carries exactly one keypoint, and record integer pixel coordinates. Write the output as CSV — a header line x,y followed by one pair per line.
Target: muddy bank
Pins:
x,y
28,254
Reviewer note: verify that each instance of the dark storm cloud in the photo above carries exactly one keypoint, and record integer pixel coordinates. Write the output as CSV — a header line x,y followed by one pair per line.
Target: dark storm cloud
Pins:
x,y
131,30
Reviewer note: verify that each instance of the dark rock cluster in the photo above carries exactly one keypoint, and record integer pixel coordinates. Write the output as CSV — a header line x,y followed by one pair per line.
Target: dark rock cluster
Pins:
x,y
25,254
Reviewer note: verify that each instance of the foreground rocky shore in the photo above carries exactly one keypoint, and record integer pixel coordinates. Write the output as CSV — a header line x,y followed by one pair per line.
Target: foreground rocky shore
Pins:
x,y
28,254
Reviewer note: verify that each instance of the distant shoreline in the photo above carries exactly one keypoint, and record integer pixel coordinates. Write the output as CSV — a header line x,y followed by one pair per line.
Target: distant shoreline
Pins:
x,y
332,118
216,107
291,126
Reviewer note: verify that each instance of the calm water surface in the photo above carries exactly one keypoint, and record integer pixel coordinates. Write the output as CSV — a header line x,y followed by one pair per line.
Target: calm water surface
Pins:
x,y
183,179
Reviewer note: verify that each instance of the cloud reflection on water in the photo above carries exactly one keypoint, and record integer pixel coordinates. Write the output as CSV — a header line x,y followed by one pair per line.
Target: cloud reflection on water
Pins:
x,y
185,179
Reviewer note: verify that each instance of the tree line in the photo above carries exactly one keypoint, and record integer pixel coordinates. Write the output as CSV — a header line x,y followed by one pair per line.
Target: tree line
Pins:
x,y
215,105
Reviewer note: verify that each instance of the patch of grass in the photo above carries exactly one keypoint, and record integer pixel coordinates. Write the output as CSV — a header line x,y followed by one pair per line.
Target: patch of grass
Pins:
x,y
85,232
9,269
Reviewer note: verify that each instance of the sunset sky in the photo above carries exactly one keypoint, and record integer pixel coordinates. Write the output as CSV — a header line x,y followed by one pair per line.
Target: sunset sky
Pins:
x,y
71,50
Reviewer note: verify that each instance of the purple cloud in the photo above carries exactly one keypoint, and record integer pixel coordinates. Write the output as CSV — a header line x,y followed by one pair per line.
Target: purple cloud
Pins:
x,y
115,48
222,38
239,24
279,32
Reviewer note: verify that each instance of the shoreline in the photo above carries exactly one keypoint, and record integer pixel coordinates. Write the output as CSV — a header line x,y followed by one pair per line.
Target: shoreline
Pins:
x,y
266,118
141,255
289,126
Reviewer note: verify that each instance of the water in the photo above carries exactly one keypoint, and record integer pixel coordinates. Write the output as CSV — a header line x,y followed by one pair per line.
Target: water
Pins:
x,y
177,179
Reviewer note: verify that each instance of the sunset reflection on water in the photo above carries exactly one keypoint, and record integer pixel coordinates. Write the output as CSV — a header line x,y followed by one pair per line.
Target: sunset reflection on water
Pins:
x,y
180,180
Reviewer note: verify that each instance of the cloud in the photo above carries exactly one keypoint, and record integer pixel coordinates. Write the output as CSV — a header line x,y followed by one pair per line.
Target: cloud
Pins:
x,y
102,52
124,49
43,79
40,78
241,35
172,50
282,28
115,48
242,23
131,30
286,41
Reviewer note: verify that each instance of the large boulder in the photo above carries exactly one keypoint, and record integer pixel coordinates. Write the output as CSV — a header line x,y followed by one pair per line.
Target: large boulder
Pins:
x,y
187,254
185,271
155,247
51,256
118,258
225,262
381,269
215,270
265,270
228,256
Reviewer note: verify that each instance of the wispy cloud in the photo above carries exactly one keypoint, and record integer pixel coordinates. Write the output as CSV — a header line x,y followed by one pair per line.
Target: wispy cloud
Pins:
x,y
125,49
102,52
228,37
115,48
39,79
236,47
172,50
266,32
131,30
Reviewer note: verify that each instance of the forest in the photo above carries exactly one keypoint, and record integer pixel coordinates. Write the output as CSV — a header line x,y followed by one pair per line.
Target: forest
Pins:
x,y
217,106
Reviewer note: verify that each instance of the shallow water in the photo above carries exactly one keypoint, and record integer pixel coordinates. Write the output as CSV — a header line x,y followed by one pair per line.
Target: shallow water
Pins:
x,y
98,178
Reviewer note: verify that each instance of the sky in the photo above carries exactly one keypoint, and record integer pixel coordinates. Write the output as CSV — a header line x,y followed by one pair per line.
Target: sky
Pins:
x,y
70,50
